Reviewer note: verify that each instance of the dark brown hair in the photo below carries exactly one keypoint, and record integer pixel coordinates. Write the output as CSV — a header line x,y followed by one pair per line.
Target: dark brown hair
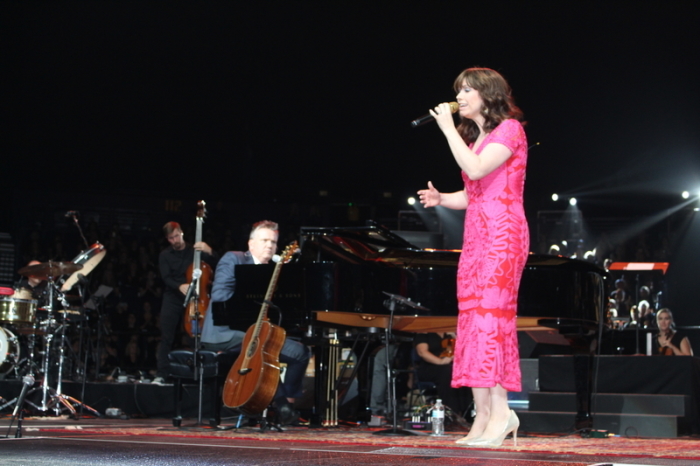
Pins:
x,y
169,227
497,96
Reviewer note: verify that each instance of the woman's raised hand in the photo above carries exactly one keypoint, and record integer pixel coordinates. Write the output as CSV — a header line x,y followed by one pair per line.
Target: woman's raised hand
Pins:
x,y
429,197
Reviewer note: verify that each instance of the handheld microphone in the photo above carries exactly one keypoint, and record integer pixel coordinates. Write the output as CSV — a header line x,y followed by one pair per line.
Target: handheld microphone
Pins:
x,y
454,106
27,381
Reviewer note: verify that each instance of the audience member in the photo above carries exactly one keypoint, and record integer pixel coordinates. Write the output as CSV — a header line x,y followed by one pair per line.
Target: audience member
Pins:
x,y
670,342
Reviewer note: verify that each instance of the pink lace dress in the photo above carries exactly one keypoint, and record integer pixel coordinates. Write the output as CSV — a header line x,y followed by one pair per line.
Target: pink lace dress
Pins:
x,y
496,242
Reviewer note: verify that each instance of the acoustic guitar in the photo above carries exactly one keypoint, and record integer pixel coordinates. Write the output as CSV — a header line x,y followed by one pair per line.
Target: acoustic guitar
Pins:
x,y
252,382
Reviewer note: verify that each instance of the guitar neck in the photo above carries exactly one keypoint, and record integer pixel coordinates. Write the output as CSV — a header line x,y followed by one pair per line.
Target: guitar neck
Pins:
x,y
268,295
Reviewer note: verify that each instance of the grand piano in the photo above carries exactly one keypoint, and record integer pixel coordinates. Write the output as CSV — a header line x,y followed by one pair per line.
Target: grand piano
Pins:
x,y
341,277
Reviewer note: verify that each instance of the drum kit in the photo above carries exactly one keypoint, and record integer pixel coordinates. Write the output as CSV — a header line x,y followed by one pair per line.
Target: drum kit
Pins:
x,y
33,325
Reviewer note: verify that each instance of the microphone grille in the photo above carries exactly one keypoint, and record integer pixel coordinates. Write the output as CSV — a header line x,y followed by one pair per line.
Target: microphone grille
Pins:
x,y
454,106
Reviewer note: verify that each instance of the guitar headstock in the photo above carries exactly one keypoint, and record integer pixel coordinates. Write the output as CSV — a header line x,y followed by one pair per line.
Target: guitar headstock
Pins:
x,y
289,251
201,209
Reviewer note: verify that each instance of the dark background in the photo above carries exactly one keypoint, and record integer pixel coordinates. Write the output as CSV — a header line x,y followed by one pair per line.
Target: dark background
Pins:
x,y
269,103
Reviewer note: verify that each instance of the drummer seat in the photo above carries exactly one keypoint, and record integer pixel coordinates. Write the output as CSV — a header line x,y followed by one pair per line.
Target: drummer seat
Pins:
x,y
214,369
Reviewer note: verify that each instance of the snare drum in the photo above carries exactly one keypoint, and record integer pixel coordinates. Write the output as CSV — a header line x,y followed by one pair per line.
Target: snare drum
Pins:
x,y
9,351
17,310
89,260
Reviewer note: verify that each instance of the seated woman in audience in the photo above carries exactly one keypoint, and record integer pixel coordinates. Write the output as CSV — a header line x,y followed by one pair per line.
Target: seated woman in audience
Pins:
x,y
670,342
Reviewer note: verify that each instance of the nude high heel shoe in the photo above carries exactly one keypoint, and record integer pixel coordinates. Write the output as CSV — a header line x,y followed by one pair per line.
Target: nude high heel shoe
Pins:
x,y
466,441
511,426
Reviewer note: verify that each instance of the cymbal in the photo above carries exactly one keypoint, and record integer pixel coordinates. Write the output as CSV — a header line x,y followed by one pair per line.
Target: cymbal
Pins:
x,y
49,269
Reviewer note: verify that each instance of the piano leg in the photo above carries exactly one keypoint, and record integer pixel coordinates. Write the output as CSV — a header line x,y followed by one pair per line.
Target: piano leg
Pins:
x,y
583,379
327,356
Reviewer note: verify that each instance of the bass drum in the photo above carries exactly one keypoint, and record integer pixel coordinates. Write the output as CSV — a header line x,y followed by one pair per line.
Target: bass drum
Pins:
x,y
9,351
89,260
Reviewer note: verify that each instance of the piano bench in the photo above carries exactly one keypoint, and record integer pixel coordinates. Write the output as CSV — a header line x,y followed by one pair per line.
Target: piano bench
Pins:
x,y
214,369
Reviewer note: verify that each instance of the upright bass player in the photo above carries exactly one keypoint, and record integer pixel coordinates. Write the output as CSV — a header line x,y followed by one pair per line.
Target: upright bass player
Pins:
x,y
174,262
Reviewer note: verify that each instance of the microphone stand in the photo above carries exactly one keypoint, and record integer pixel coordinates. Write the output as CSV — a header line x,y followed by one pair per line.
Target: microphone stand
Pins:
x,y
102,330
198,367
80,230
638,314
391,374
18,413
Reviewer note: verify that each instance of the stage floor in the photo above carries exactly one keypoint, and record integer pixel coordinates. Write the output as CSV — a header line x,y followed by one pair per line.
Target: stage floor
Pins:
x,y
105,442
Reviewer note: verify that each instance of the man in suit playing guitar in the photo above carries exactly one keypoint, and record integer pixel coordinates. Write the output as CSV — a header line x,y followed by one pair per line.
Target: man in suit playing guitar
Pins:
x,y
174,262
262,245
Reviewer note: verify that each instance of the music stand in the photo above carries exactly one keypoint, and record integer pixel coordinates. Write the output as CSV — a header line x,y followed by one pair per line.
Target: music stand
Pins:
x,y
96,299
391,373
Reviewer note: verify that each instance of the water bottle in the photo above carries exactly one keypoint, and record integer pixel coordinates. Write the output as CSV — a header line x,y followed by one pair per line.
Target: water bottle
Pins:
x,y
438,418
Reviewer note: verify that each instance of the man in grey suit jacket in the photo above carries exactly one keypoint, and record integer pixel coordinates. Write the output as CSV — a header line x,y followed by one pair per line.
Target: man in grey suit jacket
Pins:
x,y
262,245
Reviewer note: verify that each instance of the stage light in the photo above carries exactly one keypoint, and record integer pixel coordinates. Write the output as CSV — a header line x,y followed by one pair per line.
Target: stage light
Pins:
x,y
411,200
572,201
685,194
555,197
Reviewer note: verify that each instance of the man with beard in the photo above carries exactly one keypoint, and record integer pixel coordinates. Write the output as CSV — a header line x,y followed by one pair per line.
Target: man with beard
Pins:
x,y
174,262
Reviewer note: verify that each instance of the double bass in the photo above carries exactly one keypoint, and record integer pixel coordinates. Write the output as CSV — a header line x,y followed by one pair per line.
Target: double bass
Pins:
x,y
196,309
252,382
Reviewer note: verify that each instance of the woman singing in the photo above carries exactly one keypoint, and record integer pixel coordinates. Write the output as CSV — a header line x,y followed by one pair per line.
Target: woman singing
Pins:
x,y
490,147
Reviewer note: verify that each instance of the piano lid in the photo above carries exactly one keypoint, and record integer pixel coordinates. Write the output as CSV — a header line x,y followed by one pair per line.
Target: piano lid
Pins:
x,y
351,270
375,243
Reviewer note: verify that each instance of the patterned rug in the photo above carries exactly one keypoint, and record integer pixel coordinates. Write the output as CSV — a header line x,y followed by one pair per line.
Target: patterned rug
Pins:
x,y
682,448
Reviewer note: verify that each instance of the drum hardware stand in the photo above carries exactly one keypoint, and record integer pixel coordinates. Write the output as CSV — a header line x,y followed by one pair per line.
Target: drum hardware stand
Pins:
x,y
85,363
390,373
66,400
31,366
84,328
56,397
